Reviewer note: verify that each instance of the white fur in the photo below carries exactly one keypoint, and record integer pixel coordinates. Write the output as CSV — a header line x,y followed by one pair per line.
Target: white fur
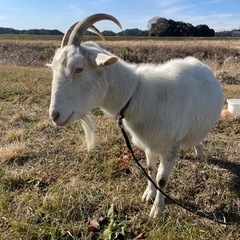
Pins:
x,y
172,105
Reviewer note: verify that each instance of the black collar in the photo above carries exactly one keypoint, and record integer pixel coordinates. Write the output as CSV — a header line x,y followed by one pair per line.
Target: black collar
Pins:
x,y
122,111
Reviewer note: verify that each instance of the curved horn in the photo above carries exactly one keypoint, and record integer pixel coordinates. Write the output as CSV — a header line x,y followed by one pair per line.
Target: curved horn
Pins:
x,y
82,26
69,31
67,35
94,29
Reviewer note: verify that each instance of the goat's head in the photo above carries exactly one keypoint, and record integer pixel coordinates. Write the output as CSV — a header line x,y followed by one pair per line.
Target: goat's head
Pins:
x,y
78,82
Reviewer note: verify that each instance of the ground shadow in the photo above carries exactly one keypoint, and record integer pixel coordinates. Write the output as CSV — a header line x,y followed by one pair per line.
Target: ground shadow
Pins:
x,y
234,168
19,160
222,213
219,214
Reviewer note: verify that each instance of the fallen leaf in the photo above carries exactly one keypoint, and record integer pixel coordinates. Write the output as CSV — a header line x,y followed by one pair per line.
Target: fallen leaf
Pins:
x,y
93,225
139,237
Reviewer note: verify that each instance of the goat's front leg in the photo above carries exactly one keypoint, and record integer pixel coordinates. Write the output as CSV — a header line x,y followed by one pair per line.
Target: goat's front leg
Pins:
x,y
150,191
164,170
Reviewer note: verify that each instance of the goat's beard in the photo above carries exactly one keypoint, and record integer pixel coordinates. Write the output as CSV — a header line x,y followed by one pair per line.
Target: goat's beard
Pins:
x,y
89,131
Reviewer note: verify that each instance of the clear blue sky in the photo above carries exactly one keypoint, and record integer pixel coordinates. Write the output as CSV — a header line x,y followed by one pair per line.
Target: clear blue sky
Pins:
x,y
60,14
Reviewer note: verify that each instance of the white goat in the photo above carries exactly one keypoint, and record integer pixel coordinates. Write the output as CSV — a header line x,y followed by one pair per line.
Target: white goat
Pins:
x,y
171,105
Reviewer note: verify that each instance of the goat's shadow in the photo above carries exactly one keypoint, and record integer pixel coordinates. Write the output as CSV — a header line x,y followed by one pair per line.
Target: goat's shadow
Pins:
x,y
220,213
234,168
231,217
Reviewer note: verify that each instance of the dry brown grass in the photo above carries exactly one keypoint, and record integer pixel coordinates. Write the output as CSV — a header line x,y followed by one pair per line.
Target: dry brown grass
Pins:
x,y
51,188
221,55
11,151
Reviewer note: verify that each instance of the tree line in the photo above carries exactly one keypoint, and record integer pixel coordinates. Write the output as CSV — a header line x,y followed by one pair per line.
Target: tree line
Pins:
x,y
167,27
157,27
4,30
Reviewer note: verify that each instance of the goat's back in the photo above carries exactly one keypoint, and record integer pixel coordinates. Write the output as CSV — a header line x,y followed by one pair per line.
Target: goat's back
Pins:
x,y
177,101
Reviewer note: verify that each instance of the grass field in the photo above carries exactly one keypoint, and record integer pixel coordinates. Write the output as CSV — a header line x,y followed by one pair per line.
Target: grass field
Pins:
x,y
31,37
51,188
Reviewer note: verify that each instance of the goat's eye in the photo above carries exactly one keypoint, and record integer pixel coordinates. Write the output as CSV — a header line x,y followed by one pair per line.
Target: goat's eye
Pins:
x,y
78,70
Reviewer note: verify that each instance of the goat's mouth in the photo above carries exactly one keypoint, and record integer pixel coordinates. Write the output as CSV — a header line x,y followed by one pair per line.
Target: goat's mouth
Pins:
x,y
67,122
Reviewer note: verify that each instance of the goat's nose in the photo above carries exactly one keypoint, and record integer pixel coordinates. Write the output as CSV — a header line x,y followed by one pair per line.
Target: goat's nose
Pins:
x,y
55,115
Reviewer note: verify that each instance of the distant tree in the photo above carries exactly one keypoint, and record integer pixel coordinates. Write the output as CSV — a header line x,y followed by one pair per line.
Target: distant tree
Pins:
x,y
8,31
232,33
152,21
108,33
236,33
204,31
133,32
42,32
30,31
169,27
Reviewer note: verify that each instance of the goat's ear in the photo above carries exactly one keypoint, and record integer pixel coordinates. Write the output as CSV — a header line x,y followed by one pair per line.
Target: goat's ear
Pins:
x,y
105,60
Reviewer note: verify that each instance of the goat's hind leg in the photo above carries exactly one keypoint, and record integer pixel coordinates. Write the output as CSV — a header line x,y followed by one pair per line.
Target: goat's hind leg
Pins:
x,y
150,191
200,153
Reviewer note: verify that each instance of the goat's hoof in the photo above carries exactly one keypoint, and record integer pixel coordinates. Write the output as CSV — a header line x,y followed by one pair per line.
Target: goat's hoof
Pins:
x,y
155,212
148,196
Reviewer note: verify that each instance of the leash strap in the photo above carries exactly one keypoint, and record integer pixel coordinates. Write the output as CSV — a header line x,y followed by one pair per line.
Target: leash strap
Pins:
x,y
129,146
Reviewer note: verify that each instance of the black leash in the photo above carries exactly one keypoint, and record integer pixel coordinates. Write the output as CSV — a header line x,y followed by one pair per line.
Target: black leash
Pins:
x,y
198,213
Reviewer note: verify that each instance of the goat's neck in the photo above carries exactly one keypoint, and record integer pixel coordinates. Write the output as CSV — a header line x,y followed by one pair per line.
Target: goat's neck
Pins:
x,y
122,82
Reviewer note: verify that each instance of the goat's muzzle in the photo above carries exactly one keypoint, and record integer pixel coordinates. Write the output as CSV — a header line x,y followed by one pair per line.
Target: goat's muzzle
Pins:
x,y
54,115
58,121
